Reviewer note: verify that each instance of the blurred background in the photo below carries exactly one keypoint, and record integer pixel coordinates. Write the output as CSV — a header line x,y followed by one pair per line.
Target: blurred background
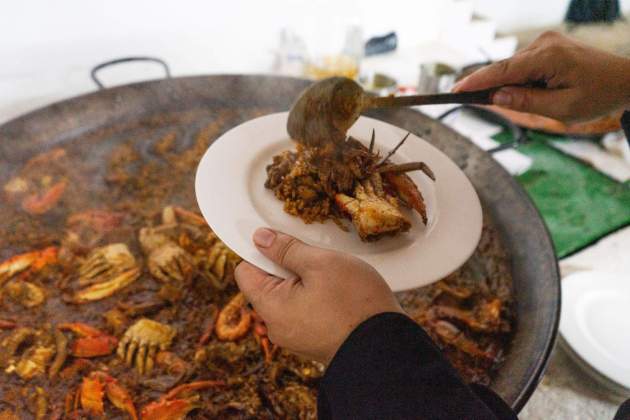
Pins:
x,y
47,48
578,176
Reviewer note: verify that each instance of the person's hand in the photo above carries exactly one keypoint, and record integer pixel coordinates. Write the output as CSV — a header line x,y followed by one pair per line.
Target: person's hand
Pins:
x,y
582,83
314,313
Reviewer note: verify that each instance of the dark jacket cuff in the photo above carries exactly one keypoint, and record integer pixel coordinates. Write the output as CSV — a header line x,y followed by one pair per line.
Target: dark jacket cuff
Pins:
x,y
389,368
625,124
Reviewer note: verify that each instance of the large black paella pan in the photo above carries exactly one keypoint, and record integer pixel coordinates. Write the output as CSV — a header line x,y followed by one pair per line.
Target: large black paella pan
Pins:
x,y
95,170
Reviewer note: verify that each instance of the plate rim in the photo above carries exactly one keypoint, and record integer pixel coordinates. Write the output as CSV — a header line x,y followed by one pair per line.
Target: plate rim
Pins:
x,y
464,186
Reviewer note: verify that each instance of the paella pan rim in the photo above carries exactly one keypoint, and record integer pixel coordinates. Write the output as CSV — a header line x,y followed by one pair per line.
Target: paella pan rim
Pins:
x,y
551,336
534,267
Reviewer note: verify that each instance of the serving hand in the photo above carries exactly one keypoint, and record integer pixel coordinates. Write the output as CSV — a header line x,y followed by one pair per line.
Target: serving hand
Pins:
x,y
312,314
575,82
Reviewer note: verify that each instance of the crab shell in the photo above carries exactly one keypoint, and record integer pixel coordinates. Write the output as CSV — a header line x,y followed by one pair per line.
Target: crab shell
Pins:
x,y
95,386
25,293
372,213
34,362
92,342
93,346
35,260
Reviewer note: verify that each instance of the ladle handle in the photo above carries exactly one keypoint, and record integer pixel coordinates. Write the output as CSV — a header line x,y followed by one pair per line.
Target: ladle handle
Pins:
x,y
481,97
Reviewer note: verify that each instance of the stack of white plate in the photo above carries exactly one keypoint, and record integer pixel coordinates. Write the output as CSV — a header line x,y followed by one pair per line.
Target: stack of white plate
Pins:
x,y
595,326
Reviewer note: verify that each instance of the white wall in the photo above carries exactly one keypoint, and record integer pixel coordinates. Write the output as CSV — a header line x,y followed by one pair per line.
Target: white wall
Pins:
x,y
47,47
226,35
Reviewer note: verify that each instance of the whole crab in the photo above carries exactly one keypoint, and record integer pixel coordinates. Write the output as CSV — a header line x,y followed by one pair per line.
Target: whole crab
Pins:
x,y
166,259
105,271
143,340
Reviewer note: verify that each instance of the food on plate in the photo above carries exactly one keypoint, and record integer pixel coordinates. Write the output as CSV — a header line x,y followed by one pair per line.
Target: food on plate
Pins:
x,y
121,302
348,180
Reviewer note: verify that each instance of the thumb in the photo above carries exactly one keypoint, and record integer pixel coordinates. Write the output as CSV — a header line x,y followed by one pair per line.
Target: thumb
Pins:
x,y
554,103
286,250
255,284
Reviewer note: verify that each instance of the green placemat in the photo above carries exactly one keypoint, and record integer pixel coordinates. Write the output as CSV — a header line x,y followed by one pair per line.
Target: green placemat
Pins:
x,y
579,204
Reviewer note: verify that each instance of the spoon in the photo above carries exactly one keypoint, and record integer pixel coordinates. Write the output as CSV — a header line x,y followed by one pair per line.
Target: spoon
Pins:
x,y
326,110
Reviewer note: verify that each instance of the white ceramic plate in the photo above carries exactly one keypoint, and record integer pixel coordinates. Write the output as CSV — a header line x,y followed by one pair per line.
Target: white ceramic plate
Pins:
x,y
595,322
232,198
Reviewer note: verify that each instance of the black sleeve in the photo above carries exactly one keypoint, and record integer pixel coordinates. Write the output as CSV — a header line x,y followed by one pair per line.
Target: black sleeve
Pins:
x,y
625,124
624,411
388,368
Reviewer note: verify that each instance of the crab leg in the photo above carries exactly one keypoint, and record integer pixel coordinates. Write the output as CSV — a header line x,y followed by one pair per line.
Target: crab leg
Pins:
x,y
61,353
170,410
394,150
193,386
408,191
190,217
260,332
407,167
107,288
372,141
167,407
120,398
41,403
69,402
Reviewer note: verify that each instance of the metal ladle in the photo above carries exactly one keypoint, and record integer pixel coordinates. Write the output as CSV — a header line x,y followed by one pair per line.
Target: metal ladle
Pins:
x,y
326,110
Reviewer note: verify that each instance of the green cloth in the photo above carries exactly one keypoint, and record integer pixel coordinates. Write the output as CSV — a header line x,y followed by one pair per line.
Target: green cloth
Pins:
x,y
578,203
